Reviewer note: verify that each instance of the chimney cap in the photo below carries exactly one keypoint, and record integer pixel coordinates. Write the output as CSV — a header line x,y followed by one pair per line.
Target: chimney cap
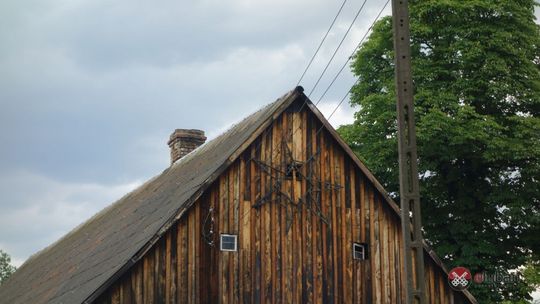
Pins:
x,y
189,134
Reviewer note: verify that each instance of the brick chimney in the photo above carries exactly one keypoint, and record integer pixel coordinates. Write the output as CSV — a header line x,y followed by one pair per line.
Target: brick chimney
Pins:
x,y
183,141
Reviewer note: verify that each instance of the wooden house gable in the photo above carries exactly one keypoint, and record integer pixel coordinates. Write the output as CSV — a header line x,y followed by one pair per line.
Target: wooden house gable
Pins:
x,y
287,194
297,200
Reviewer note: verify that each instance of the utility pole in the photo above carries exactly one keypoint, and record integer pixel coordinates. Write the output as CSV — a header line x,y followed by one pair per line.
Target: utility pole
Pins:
x,y
411,223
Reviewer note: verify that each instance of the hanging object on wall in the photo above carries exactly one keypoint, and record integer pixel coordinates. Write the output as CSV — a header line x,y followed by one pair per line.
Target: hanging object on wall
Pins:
x,y
208,227
292,169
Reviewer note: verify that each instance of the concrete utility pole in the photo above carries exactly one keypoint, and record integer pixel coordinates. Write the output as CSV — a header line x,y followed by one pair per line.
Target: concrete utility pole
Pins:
x,y
408,167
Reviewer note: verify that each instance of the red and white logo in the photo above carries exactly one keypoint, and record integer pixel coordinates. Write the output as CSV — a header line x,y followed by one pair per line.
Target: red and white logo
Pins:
x,y
459,278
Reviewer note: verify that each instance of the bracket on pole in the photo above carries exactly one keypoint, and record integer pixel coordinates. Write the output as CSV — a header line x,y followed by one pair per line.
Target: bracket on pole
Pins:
x,y
408,164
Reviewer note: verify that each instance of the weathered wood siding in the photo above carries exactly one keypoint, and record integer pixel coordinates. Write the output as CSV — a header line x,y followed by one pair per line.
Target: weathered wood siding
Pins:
x,y
287,251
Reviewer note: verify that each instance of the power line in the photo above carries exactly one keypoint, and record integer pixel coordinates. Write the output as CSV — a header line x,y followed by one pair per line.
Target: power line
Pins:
x,y
337,48
340,103
322,41
305,101
353,52
350,57
241,217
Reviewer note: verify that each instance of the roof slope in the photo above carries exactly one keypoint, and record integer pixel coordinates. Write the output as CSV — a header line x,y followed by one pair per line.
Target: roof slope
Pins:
x,y
75,267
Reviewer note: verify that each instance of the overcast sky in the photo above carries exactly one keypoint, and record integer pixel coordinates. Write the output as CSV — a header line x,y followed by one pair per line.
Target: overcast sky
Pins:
x,y
91,90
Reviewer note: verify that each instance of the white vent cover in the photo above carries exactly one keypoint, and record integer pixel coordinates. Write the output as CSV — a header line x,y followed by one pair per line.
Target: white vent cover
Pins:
x,y
228,242
359,251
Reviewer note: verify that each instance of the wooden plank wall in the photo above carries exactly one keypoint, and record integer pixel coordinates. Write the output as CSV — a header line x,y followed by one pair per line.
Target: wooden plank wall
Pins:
x,y
169,272
286,252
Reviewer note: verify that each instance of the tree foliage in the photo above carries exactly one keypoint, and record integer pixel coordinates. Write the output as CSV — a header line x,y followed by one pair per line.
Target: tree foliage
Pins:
x,y
6,269
477,97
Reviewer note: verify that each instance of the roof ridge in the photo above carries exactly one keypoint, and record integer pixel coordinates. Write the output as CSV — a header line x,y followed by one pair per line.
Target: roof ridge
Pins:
x,y
230,128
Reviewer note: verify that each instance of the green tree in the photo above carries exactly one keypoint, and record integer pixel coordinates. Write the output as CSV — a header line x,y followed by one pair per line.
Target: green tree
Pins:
x,y
6,269
477,96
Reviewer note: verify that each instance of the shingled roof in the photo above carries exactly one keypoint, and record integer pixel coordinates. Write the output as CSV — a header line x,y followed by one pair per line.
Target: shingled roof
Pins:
x,y
79,266
76,266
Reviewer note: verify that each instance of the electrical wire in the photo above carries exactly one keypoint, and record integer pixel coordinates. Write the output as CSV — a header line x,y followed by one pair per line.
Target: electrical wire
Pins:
x,y
338,47
305,101
341,101
353,52
349,58
322,42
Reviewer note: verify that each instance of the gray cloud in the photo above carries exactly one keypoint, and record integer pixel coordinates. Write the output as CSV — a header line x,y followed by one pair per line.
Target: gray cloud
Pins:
x,y
37,210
